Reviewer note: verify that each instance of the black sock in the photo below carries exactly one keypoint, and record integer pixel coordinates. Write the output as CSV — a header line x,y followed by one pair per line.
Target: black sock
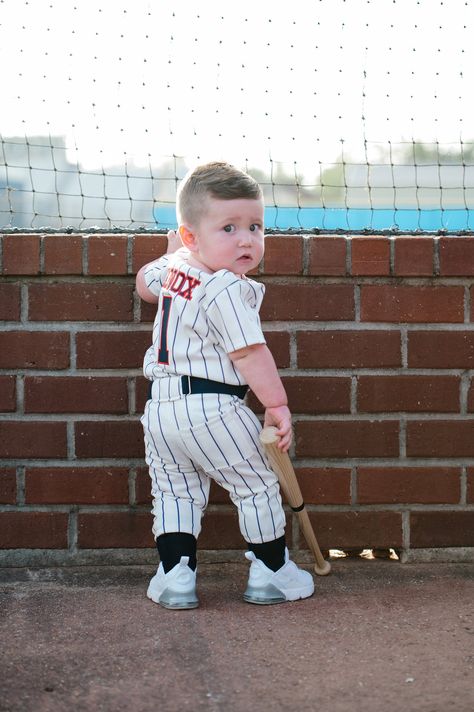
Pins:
x,y
171,547
272,553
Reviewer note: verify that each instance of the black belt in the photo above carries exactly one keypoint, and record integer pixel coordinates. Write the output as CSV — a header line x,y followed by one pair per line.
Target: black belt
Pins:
x,y
191,384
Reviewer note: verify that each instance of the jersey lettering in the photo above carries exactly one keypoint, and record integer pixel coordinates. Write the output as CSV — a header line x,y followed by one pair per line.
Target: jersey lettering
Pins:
x,y
163,353
192,284
180,283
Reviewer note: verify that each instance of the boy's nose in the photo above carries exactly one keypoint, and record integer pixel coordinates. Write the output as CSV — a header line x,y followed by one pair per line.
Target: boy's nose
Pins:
x,y
245,238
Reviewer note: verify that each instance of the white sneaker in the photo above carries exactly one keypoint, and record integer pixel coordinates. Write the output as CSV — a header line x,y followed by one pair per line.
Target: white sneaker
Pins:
x,y
177,588
265,586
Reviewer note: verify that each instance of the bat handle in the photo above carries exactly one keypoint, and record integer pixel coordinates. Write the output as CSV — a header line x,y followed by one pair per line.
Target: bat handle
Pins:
x,y
321,567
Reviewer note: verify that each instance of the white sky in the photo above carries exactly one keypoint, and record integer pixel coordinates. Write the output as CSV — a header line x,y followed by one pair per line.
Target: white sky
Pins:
x,y
244,80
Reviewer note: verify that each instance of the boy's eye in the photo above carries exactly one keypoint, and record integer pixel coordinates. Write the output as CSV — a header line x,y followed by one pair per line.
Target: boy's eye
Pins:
x,y
255,226
229,228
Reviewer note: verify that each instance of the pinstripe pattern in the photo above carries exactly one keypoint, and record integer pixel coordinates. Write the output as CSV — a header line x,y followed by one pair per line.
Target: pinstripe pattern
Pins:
x,y
190,440
209,437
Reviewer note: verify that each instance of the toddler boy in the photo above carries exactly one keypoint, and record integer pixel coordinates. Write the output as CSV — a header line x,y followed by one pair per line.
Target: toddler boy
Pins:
x,y
208,349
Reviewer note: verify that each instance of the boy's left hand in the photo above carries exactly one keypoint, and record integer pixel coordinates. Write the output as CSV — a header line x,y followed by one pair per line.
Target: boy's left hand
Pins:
x,y
174,242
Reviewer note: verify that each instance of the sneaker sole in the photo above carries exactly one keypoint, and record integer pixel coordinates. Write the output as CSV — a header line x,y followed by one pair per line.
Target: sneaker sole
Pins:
x,y
173,599
264,601
272,595
178,606
175,602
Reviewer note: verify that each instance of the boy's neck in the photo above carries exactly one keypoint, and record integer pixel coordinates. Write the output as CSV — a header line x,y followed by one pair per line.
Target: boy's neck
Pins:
x,y
193,262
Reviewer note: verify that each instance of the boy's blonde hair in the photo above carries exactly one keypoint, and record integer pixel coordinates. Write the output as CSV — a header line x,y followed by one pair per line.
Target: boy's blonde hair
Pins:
x,y
216,180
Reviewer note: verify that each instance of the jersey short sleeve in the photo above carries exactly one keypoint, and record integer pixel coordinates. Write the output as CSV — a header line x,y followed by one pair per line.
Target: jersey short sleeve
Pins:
x,y
233,315
155,274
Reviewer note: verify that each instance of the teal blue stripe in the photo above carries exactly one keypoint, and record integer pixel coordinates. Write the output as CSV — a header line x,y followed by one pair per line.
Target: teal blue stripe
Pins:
x,y
350,219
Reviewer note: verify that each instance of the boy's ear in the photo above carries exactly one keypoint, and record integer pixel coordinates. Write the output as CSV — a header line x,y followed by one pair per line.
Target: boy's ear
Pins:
x,y
187,237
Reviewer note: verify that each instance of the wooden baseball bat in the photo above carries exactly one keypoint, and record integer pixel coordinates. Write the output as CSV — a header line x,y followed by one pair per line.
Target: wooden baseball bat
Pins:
x,y
282,467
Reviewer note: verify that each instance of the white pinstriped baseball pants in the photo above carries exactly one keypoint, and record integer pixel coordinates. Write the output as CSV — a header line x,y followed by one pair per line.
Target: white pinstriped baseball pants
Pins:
x,y
192,439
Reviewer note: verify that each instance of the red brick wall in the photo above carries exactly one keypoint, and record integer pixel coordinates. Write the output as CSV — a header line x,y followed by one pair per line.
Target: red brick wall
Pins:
x,y
374,337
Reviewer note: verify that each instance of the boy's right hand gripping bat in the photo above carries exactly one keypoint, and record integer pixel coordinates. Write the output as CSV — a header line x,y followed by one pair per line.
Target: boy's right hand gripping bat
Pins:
x,y
281,465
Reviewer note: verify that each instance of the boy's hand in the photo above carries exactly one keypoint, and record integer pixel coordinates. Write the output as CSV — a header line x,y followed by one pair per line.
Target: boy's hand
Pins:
x,y
174,242
280,417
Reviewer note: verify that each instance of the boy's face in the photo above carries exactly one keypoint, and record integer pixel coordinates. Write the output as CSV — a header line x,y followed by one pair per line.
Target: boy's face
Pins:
x,y
229,235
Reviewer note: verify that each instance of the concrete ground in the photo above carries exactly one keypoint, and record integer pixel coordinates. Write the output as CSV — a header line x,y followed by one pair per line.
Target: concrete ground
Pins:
x,y
378,636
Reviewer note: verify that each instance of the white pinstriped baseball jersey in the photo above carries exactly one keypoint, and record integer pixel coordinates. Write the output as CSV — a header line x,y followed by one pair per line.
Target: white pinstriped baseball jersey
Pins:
x,y
192,439
200,319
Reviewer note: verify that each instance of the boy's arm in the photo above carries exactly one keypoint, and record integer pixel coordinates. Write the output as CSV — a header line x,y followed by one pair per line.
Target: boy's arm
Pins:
x,y
142,290
174,243
257,366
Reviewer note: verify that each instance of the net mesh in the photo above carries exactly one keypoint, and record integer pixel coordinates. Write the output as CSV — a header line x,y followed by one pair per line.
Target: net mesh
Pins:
x,y
354,116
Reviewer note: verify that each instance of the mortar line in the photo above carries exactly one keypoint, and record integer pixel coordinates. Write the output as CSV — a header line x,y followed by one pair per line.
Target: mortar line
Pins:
x,y
463,486
436,258
20,485
72,531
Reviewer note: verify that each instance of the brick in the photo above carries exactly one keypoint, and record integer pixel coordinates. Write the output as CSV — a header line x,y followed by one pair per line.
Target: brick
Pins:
x,y
312,302
112,530
440,438
143,486
441,349
283,255
80,301
348,349
456,256
62,254
111,349
220,530
7,394
107,254
32,439
10,297
470,398
379,394
21,254
370,256
414,256
470,485
357,530
279,344
441,529
218,495
34,349
327,256
142,393
147,248
75,394
76,485
318,394
352,438
33,530
105,438
408,485
325,485
147,312
400,303
314,395
7,485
